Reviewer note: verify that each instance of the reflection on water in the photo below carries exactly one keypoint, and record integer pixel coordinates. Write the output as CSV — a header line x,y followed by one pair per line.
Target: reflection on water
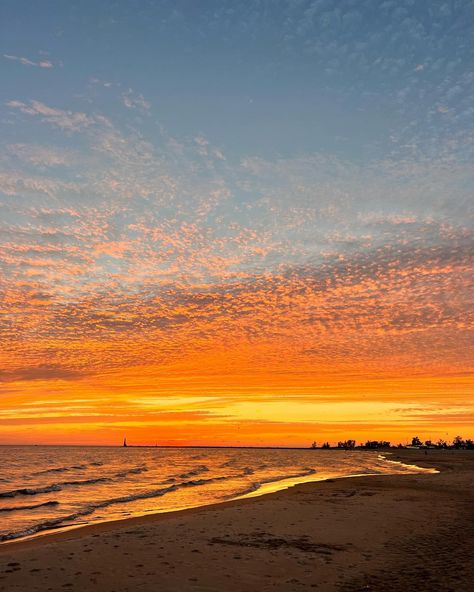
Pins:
x,y
46,488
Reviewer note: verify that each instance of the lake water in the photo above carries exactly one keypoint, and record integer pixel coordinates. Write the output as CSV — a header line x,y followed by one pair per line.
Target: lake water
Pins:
x,y
44,488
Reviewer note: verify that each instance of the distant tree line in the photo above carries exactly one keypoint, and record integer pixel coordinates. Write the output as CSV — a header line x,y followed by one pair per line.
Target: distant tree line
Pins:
x,y
457,443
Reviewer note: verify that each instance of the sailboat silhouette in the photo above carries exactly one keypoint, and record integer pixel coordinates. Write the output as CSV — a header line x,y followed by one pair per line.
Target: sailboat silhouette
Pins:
x,y
125,442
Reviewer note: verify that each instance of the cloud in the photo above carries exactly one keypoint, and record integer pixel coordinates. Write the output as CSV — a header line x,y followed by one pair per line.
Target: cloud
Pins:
x,y
133,263
41,156
27,185
27,62
43,372
133,100
104,83
65,120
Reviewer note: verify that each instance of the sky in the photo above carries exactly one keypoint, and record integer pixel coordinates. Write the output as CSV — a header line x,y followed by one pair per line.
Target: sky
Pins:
x,y
236,222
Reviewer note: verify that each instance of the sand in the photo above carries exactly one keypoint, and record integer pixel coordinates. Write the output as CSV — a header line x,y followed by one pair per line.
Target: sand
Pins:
x,y
384,533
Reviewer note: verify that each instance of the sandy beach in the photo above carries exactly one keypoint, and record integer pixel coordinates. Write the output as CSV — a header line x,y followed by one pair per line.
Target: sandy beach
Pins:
x,y
383,533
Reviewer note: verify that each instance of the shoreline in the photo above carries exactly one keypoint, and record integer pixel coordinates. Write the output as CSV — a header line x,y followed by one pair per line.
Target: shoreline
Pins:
x,y
387,533
264,490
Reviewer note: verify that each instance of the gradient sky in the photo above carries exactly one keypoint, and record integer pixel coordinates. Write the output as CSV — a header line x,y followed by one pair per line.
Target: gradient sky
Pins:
x,y
236,222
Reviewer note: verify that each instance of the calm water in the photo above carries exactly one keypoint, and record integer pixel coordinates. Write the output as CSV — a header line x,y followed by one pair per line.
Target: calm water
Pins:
x,y
46,488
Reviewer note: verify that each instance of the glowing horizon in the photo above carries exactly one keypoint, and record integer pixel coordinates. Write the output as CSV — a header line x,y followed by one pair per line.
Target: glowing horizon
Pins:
x,y
236,229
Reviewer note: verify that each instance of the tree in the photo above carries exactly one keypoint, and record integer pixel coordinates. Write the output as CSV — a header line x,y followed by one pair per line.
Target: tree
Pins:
x,y
326,446
377,444
347,444
458,442
416,441
314,444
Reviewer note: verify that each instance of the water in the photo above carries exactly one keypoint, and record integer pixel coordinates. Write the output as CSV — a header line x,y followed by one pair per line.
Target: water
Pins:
x,y
46,488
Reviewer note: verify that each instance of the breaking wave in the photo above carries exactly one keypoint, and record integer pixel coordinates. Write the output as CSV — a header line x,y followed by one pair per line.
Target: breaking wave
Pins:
x,y
90,509
31,490
258,484
59,486
63,521
31,507
169,479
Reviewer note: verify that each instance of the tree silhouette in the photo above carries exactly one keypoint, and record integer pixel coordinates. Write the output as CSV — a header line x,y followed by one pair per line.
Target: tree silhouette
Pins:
x,y
458,443
376,444
347,444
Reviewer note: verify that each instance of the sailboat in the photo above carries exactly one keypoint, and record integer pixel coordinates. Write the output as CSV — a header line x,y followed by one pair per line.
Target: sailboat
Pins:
x,y
125,442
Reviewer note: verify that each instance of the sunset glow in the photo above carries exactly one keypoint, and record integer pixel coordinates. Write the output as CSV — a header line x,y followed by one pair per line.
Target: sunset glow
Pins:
x,y
209,236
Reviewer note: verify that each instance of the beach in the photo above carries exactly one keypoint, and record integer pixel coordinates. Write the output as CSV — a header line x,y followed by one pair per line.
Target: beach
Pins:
x,y
383,533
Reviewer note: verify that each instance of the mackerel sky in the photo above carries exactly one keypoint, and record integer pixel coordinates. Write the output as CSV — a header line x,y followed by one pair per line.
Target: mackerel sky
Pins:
x,y
248,221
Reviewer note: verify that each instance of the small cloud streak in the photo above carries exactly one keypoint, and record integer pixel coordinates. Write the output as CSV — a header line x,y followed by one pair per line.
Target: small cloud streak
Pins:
x,y
133,100
27,62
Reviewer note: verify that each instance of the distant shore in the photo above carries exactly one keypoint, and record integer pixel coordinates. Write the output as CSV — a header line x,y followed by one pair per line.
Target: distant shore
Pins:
x,y
379,533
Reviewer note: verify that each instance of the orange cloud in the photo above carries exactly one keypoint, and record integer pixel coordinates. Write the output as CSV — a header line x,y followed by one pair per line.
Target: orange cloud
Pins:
x,y
272,302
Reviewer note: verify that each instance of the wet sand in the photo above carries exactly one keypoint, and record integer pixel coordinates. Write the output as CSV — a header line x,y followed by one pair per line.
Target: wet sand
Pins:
x,y
384,533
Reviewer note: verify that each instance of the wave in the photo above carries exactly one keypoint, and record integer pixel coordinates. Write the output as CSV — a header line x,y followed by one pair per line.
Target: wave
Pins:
x,y
31,507
228,463
63,520
135,471
193,473
246,491
232,462
52,487
59,486
305,472
64,469
31,491
258,484
40,526
406,466
87,481
81,467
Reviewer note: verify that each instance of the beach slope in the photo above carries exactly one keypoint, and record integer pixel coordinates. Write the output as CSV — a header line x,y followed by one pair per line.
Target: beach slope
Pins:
x,y
378,533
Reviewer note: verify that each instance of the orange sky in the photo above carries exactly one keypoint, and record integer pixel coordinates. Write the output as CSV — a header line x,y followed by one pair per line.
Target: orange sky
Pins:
x,y
278,361
280,258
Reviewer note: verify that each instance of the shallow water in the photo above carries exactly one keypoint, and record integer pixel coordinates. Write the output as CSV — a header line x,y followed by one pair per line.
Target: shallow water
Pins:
x,y
44,488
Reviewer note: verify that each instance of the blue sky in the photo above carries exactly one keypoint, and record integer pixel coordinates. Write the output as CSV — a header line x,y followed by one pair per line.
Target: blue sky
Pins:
x,y
357,79
293,178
